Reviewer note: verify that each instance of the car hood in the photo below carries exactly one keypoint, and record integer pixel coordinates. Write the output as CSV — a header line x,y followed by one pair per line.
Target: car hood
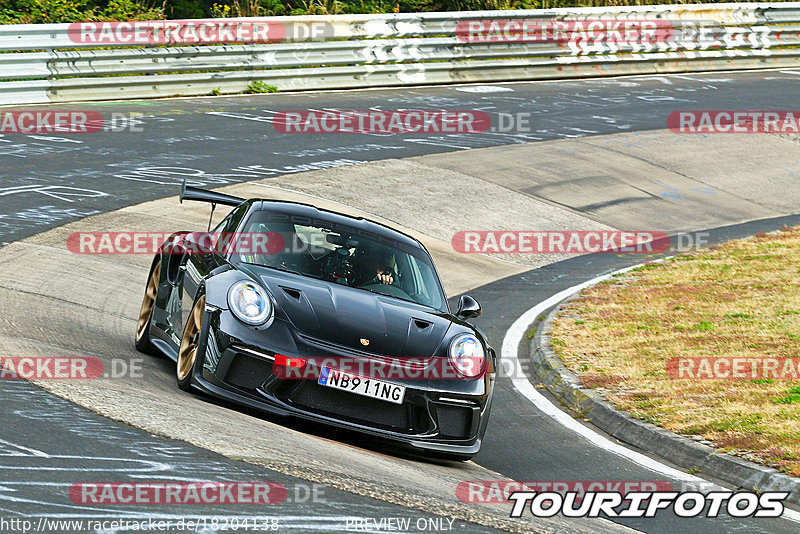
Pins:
x,y
355,318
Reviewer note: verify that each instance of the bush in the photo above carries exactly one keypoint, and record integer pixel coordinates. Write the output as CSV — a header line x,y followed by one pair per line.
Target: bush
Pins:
x,y
131,10
34,11
257,86
46,11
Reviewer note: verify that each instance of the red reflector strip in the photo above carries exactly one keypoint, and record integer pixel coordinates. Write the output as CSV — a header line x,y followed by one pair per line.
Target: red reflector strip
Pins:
x,y
288,361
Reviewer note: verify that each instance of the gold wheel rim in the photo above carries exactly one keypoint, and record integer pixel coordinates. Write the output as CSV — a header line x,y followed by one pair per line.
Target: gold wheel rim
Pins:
x,y
148,302
190,341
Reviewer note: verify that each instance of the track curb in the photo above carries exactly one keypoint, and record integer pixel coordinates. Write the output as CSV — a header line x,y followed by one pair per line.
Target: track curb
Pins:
x,y
681,451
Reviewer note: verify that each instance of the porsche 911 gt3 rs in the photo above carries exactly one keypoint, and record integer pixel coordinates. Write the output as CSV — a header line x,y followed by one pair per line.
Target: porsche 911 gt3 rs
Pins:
x,y
335,319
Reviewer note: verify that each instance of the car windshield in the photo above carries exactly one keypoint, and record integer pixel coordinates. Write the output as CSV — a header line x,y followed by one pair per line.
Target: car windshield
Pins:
x,y
342,255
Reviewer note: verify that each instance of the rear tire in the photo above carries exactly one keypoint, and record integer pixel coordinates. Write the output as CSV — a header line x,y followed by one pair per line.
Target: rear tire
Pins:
x,y
142,340
191,345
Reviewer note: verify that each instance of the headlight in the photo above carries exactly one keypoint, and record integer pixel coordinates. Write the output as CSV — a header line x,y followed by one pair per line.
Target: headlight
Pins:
x,y
249,303
466,354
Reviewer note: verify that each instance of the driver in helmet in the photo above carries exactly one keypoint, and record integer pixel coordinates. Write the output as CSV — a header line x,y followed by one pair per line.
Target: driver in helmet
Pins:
x,y
373,265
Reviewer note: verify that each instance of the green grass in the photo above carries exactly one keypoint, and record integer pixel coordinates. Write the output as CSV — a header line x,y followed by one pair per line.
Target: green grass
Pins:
x,y
737,300
257,87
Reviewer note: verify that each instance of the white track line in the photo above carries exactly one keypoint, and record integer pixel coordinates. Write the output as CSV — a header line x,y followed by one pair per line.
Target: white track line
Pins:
x,y
509,350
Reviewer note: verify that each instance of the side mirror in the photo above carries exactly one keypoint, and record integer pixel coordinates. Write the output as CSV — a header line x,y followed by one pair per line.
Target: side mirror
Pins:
x,y
468,307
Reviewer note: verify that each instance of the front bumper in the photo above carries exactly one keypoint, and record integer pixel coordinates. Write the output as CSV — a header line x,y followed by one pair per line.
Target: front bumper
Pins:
x,y
442,416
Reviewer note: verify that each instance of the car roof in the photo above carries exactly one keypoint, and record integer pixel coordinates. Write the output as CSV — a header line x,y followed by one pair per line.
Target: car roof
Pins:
x,y
360,223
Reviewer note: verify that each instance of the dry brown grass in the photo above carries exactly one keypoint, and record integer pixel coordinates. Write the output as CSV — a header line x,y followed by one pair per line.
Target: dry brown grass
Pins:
x,y
741,299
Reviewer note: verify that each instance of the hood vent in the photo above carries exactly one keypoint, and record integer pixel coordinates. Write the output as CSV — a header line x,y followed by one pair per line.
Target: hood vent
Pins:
x,y
294,293
422,325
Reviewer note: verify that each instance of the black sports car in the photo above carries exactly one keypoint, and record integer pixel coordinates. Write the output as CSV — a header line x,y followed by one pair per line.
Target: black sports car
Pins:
x,y
334,319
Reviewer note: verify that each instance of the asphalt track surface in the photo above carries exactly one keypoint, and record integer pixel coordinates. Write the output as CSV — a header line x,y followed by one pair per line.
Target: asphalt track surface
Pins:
x,y
47,181
49,443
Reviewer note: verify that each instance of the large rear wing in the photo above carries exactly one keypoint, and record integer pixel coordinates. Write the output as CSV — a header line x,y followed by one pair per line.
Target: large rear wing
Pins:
x,y
195,193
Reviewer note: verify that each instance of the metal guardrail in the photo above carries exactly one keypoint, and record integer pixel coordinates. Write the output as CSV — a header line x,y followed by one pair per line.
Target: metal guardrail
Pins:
x,y
98,61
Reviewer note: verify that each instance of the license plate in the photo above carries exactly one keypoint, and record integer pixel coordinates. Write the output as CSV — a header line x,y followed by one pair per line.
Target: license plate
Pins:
x,y
359,385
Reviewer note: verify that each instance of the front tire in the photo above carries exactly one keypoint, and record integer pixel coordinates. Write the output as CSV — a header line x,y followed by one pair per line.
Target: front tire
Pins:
x,y
142,340
191,343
